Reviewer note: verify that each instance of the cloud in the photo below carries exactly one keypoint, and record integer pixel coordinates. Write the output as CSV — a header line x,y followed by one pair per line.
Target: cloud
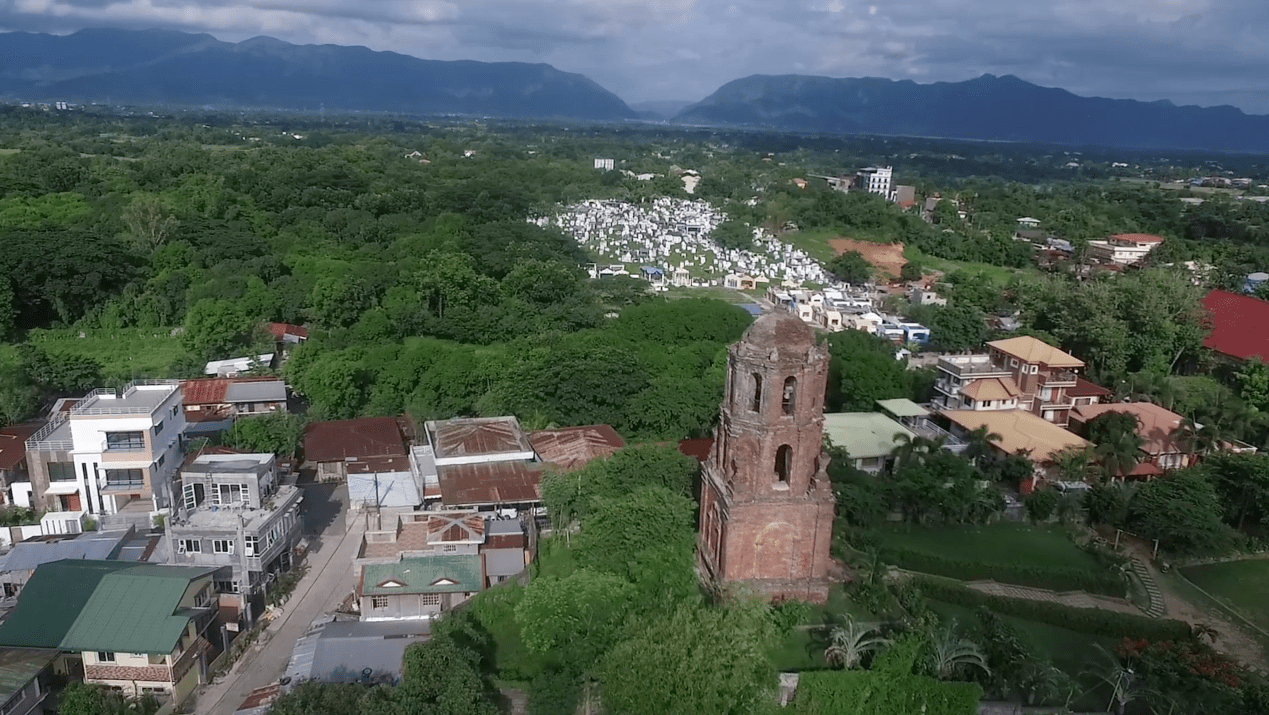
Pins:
x,y
1201,51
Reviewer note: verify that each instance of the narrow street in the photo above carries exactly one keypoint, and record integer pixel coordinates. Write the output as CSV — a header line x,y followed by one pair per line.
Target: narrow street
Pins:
x,y
322,589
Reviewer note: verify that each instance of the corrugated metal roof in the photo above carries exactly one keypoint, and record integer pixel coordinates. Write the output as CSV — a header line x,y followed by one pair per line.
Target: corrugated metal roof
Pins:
x,y
338,440
20,666
95,545
443,573
13,443
903,407
489,483
256,391
477,436
52,600
572,447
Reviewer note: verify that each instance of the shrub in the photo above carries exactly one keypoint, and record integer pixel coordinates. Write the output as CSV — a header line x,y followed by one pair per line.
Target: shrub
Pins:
x,y
859,692
1092,621
1050,577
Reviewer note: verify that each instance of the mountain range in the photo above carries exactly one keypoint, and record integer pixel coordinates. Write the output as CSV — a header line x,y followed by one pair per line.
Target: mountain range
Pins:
x,y
986,108
169,67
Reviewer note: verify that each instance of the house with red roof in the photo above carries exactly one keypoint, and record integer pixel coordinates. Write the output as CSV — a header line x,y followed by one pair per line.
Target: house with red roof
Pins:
x,y
1240,325
337,446
1124,249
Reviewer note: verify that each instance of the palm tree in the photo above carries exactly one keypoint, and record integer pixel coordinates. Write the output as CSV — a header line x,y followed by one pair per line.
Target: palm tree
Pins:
x,y
918,448
1125,685
849,642
978,443
1072,463
1119,454
1198,439
949,653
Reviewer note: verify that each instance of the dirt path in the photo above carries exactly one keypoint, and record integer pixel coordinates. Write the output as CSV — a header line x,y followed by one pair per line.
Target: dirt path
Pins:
x,y
887,258
1232,640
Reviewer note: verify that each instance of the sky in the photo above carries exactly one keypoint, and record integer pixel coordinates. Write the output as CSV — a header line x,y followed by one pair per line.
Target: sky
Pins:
x,y
1204,52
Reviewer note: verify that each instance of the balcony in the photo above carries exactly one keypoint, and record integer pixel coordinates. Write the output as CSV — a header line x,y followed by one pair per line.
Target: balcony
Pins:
x,y
1058,379
971,366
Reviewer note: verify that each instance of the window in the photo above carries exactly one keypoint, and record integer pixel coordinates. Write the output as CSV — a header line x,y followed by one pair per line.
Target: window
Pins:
x,y
225,586
252,546
1035,369
149,690
756,404
105,656
193,495
788,401
449,548
189,546
61,471
203,597
124,478
1013,362
378,601
222,546
158,429
431,599
125,441
783,464
986,403
224,494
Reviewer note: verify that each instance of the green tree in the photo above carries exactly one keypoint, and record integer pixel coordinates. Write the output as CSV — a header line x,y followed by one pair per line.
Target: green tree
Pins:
x,y
1181,510
1253,384
850,267
85,699
578,616
275,433
1242,483
325,698
619,531
441,677
569,495
216,329
850,642
1040,504
957,327
911,271
862,370
695,661
60,373
949,654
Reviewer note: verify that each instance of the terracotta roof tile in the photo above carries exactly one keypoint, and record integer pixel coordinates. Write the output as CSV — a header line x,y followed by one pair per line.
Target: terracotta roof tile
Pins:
x,y
1155,424
1084,388
1029,349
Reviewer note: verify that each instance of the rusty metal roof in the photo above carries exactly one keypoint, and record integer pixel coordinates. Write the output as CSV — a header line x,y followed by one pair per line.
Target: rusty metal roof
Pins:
x,y
489,483
467,437
341,440
572,447
13,443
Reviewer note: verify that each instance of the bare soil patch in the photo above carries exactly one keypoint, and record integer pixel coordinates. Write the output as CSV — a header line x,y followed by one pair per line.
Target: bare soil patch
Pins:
x,y
887,258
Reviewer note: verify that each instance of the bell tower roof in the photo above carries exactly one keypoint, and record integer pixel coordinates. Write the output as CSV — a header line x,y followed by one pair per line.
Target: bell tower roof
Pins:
x,y
779,329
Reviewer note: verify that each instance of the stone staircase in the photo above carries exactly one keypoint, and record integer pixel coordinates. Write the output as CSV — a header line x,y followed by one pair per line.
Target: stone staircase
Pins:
x,y
1146,576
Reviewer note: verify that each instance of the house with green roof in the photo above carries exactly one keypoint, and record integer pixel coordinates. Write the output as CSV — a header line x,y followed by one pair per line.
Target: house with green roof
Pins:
x,y
143,628
869,438
417,586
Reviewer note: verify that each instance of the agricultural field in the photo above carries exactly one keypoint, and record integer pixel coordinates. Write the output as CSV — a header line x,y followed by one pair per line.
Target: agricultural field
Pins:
x,y
1240,585
125,353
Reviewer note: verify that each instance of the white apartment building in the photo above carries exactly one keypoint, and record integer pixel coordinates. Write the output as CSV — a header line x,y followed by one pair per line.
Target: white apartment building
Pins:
x,y
113,451
876,180
1124,249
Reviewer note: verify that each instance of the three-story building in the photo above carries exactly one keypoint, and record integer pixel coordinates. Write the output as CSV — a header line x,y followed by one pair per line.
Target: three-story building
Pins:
x,y
1016,373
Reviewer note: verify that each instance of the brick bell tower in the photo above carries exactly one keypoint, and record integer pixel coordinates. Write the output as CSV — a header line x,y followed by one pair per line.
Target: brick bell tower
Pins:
x,y
766,503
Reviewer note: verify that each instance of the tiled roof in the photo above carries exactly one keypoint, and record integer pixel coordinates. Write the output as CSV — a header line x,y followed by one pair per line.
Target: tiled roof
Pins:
x,y
281,330
1155,424
489,483
1240,325
468,437
417,532
992,388
1029,349
1084,388
1019,430
572,447
424,574
366,437
13,443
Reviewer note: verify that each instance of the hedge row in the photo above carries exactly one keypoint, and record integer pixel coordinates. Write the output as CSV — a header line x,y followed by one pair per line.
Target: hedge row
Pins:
x,y
861,692
1092,621
1105,582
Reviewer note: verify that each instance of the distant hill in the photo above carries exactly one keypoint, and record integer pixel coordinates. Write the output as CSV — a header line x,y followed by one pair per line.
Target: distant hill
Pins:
x,y
988,108
168,67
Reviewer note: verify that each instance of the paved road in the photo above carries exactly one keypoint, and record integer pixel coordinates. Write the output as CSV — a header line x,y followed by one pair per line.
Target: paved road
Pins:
x,y
323,588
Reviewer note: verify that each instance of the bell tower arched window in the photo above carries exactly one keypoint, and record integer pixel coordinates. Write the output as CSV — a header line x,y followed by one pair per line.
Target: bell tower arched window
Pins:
x,y
783,464
788,401
756,404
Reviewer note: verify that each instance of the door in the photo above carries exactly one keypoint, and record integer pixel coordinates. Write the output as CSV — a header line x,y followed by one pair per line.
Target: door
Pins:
x,y
70,502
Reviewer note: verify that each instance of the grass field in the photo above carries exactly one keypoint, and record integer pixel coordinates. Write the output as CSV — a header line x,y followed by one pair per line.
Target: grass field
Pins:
x,y
1240,585
125,354
1003,543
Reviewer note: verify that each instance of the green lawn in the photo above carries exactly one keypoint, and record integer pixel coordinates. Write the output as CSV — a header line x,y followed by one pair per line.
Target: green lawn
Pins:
x,y
728,295
814,242
125,354
997,274
1005,543
1240,585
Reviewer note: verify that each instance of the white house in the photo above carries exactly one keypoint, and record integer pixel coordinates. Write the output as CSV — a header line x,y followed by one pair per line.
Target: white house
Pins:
x,y
111,452
1124,249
